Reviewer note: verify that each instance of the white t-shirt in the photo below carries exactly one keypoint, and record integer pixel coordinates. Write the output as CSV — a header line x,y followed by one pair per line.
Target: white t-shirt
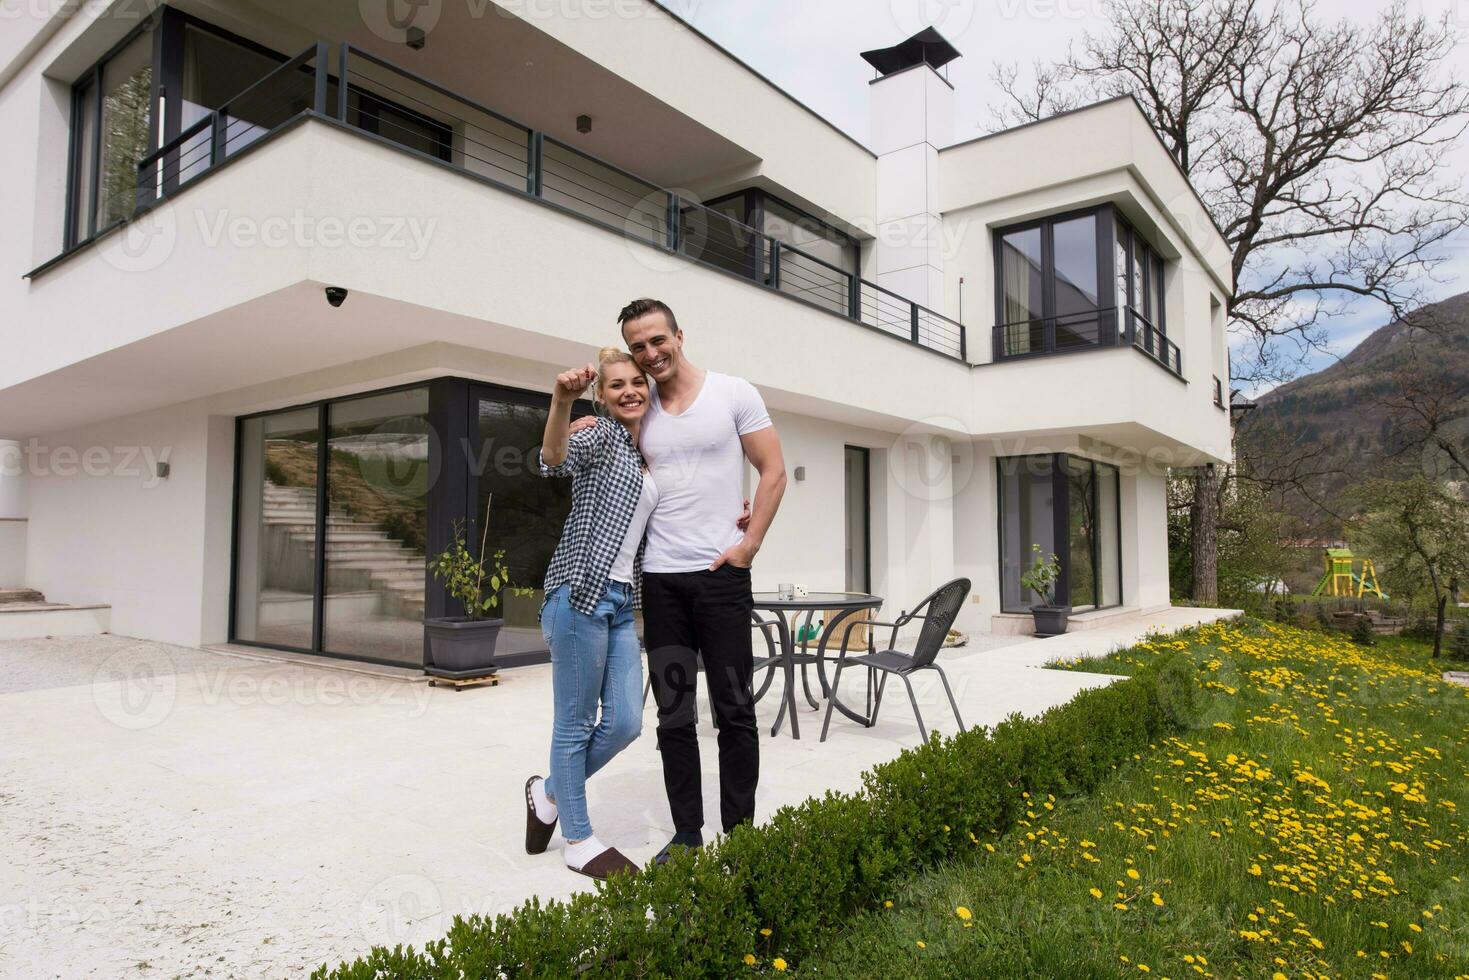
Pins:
x,y
622,565
698,463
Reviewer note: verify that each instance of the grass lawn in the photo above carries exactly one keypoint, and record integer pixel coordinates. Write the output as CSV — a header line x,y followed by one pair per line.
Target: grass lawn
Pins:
x,y
1312,824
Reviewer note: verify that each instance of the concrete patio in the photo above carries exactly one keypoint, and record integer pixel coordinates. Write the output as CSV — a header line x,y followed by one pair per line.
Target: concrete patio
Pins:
x,y
176,812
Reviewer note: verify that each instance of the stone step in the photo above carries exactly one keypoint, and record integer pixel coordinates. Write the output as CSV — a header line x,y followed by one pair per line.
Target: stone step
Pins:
x,y
20,595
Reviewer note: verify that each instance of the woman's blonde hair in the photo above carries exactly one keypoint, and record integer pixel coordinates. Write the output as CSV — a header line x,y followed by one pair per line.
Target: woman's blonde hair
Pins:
x,y
606,356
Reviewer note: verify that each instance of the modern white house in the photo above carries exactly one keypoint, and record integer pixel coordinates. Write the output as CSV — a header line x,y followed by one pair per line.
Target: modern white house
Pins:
x,y
285,287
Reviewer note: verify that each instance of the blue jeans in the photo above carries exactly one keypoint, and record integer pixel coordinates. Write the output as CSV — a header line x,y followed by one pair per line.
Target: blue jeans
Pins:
x,y
593,659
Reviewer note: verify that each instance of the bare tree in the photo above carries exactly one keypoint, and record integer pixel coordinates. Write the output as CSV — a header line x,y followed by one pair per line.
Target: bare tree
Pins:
x,y
1315,146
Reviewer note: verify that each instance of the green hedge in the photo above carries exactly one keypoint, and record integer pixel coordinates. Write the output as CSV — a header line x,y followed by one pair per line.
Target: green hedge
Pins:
x,y
804,874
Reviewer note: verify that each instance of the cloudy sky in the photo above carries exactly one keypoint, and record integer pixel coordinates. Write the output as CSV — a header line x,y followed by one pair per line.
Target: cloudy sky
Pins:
x,y
810,49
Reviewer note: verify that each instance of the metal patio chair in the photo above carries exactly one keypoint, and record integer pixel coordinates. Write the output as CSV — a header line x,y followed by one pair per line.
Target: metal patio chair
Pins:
x,y
937,611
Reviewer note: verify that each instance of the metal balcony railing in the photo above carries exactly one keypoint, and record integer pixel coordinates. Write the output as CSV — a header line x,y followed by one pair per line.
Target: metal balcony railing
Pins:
x,y
1087,330
387,102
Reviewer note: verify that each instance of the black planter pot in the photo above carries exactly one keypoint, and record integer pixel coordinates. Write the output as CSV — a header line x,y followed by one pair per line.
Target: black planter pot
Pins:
x,y
460,647
1050,620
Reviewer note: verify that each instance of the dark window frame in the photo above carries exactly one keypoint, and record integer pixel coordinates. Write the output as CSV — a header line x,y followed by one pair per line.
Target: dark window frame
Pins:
x,y
1109,223
170,27
1060,477
753,214
1106,281
866,455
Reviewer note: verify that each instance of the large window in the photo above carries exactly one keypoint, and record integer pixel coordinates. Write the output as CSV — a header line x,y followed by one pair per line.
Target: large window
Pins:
x,y
858,522
1075,281
339,504
169,74
816,263
352,583
1067,506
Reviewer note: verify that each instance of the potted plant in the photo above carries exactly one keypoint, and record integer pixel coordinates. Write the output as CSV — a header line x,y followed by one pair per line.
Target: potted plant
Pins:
x,y
1050,619
464,646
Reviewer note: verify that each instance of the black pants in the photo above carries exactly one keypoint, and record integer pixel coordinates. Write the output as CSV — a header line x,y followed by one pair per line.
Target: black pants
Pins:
x,y
705,614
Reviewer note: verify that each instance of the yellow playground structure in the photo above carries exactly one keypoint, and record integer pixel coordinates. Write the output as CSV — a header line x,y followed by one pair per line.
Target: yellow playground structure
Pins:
x,y
1342,580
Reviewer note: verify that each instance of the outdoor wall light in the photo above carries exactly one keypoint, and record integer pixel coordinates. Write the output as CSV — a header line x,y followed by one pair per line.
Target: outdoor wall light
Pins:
x,y
800,474
583,124
336,295
416,38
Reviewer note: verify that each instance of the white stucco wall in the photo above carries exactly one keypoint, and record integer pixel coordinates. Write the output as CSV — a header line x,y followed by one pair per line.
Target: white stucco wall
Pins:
x,y
105,528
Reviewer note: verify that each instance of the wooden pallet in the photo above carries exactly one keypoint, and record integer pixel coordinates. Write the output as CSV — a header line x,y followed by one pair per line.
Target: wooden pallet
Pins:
x,y
459,683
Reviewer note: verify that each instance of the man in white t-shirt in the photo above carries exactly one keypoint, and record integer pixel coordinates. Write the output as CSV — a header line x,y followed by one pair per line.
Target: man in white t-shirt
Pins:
x,y
700,429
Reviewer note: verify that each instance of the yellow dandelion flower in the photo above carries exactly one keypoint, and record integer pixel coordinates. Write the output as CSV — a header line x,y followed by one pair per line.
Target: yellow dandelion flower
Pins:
x,y
749,959
778,963
1157,899
1096,893
963,913
1132,873
765,932
922,944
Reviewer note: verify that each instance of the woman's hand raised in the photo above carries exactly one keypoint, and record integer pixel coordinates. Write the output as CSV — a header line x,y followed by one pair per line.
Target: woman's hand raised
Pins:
x,y
570,384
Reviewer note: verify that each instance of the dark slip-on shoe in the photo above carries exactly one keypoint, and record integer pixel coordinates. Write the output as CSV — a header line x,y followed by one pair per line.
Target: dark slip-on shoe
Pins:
x,y
672,847
609,862
537,832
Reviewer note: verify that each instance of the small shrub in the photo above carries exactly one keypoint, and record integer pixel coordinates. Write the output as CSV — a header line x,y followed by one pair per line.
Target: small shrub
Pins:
x,y
1282,610
1420,627
804,873
1362,633
1458,646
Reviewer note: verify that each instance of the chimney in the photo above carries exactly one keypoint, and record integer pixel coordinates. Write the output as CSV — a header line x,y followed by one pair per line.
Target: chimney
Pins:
x,y
912,118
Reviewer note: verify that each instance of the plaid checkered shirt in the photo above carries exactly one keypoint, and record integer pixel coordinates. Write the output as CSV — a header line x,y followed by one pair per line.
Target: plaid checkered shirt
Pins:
x,y
606,473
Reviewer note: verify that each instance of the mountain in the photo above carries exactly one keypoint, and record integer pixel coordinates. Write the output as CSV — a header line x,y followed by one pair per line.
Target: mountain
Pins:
x,y
1341,413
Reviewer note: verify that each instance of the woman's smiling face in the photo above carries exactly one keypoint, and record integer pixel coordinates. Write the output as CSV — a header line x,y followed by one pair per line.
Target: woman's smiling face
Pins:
x,y
623,389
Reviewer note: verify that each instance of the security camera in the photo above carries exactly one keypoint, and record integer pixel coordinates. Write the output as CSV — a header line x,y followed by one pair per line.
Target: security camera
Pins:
x,y
336,295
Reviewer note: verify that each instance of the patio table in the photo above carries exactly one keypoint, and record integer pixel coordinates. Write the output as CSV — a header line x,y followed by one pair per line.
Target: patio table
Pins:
x,y
842,605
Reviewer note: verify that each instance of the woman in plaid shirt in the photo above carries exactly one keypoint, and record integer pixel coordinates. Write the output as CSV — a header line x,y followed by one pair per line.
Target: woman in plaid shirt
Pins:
x,y
592,587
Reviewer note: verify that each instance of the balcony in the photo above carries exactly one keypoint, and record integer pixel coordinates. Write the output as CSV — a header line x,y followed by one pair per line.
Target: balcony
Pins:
x,y
383,102
1090,330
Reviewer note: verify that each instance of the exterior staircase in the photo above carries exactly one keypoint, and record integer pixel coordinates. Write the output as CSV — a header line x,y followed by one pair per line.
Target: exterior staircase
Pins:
x,y
360,557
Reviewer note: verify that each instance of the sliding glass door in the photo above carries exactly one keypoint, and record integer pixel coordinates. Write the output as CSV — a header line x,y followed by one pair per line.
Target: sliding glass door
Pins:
x,y
1069,507
331,558
377,526
275,529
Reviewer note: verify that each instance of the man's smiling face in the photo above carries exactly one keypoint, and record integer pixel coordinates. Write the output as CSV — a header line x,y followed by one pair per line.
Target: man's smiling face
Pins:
x,y
656,347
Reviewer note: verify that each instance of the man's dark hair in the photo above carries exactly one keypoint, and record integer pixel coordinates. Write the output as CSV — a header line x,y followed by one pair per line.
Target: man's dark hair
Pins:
x,y
640,308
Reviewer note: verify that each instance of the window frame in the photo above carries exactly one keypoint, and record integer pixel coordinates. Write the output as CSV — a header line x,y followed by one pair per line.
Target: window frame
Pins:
x,y
1110,224
170,26
1104,237
1060,477
753,215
